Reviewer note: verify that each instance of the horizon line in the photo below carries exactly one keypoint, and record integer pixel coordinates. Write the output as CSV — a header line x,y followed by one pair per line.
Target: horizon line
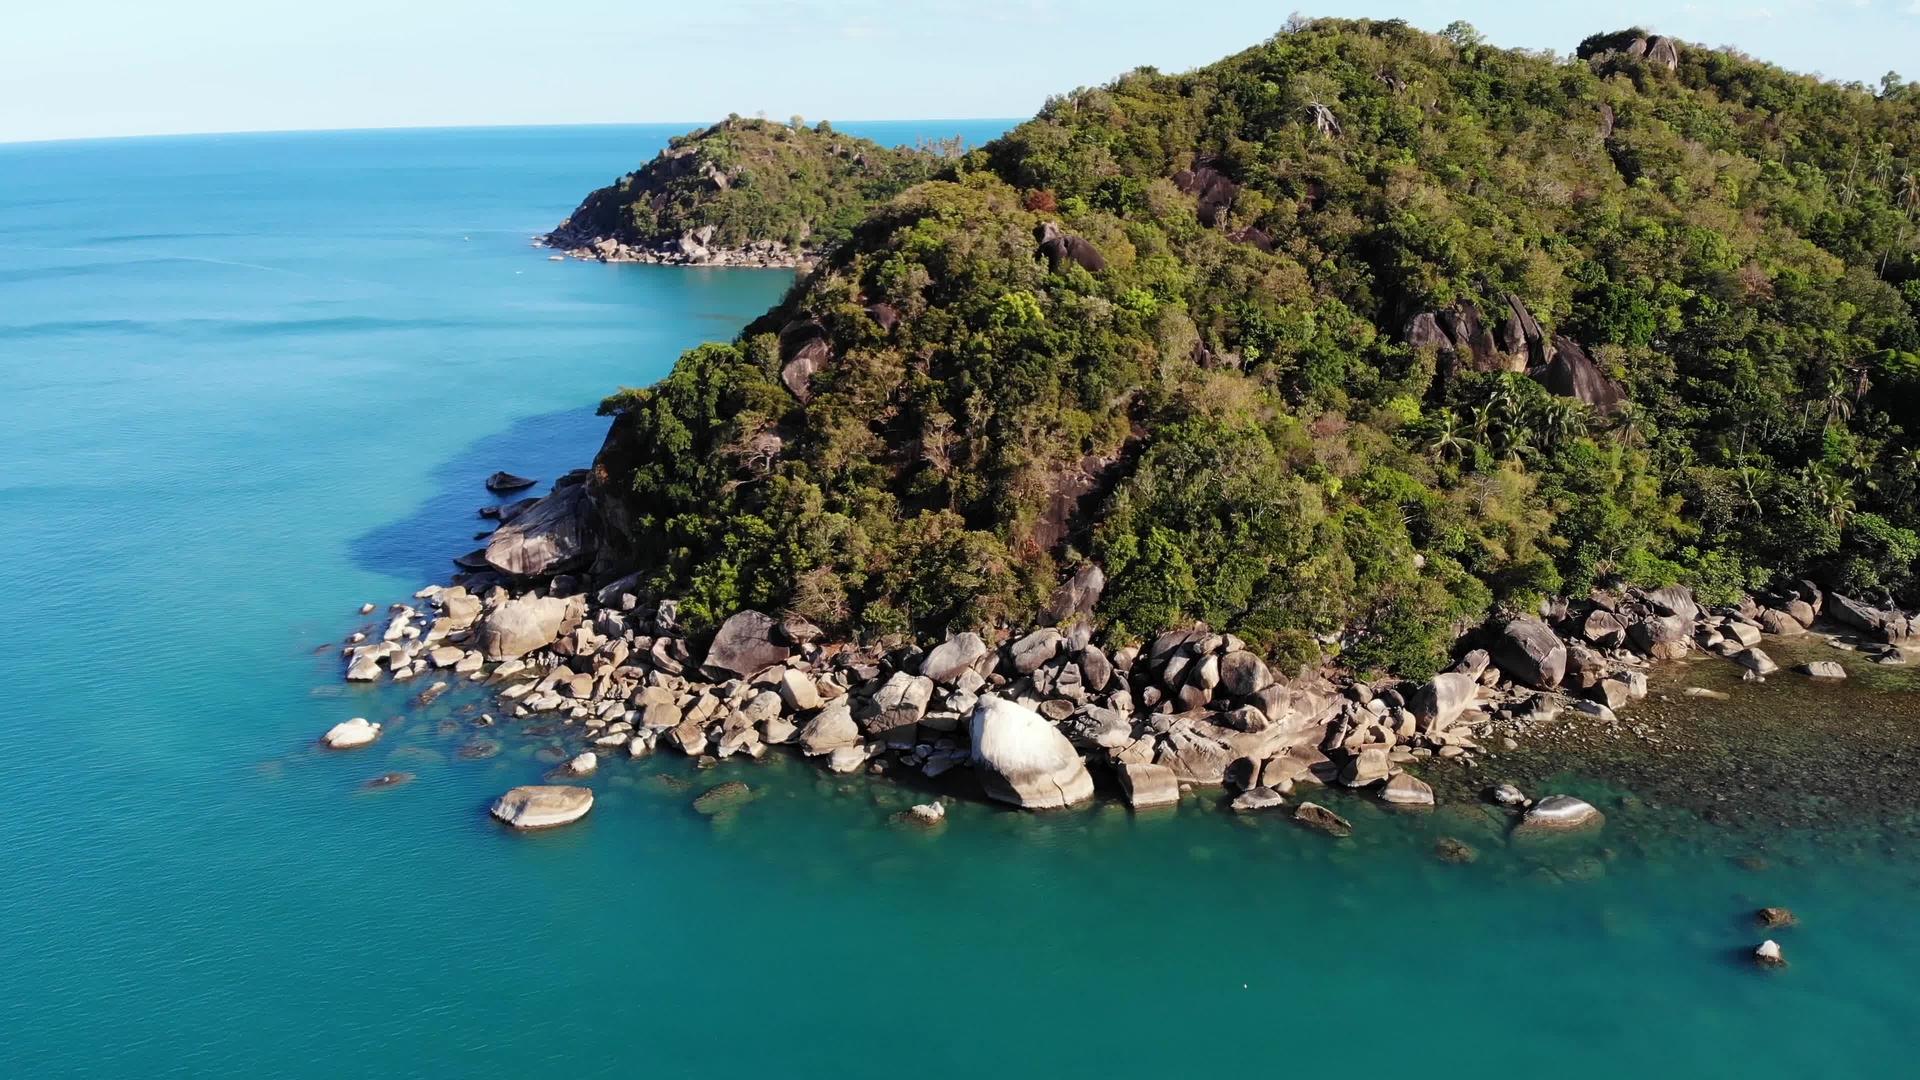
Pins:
x,y
691,124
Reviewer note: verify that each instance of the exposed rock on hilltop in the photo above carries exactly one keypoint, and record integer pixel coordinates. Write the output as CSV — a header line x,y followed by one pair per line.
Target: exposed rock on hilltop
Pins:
x,y
741,193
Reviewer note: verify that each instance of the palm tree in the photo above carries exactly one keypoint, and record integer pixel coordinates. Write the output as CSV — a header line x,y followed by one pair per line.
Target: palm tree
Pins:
x,y
1560,422
1839,396
1832,493
1449,441
1910,193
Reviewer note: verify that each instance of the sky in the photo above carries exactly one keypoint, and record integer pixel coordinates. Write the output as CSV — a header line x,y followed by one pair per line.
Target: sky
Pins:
x,y
89,68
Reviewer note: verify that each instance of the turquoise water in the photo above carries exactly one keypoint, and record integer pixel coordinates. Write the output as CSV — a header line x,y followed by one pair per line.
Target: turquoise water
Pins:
x,y
251,382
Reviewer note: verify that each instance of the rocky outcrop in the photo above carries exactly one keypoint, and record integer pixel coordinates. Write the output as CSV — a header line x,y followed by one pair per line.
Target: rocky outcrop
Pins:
x,y
552,536
501,483
1022,759
543,806
1061,248
1572,373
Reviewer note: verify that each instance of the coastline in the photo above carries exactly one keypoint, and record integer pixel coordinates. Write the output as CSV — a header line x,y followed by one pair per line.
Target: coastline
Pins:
x,y
1035,716
692,250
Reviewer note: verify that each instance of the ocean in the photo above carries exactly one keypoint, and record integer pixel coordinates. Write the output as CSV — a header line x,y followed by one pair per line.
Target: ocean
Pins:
x,y
253,381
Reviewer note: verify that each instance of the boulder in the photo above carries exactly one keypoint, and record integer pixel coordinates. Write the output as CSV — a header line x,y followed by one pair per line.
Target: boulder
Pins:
x,y
1780,623
1768,954
1561,812
1255,799
1745,633
542,806
1437,704
1406,790
1572,373
521,625
798,692
954,657
833,728
1315,816
583,764
1823,669
1077,596
722,797
1756,661
1674,600
549,537
1028,653
747,642
501,483
1663,637
1603,628
1529,652
1372,763
350,733
1024,760
1148,785
898,707
1243,674
1892,627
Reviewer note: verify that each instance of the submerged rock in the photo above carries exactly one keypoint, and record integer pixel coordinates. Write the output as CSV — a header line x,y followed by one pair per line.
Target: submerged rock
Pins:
x,y
387,780
723,797
1449,850
542,806
1315,816
1562,812
1024,760
1773,918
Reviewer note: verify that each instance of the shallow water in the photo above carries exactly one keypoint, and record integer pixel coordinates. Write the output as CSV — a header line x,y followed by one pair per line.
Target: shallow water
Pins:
x,y
254,381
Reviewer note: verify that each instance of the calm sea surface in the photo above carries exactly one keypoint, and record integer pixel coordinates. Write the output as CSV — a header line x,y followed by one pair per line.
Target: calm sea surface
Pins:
x,y
247,383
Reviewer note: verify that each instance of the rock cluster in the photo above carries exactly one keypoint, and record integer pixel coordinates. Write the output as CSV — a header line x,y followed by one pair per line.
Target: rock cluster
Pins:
x,y
1033,715
695,247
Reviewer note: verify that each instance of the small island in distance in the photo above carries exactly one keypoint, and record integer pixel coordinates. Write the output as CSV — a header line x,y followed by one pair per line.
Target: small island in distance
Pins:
x,y
1351,406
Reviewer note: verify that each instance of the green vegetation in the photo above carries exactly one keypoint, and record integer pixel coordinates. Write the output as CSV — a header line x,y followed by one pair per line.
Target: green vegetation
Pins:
x,y
1225,414
752,180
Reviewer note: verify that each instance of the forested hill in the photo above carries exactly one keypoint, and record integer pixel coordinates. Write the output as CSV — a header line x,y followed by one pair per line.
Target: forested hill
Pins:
x,y
1336,343
783,190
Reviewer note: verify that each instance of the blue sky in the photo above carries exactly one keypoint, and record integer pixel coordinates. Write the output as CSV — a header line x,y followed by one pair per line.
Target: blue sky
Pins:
x,y
74,68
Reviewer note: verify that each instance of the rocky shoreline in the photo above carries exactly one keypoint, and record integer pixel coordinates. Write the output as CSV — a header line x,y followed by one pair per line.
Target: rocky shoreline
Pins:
x,y
693,248
1035,714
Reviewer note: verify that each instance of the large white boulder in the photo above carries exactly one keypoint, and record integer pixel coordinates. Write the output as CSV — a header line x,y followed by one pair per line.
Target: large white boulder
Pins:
x,y
350,733
541,806
1024,760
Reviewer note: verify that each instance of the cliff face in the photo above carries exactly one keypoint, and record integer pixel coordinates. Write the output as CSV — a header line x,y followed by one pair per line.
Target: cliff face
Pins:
x,y
1223,335
742,192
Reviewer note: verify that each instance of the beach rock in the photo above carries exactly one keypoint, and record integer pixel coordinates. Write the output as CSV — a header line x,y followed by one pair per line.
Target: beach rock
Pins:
x,y
1756,661
1768,954
521,625
1148,785
1529,652
898,707
364,667
1773,918
1315,816
501,483
1406,790
954,657
350,733
690,737
1561,812
1256,799
549,537
847,759
1024,760
1371,764
1823,669
928,814
1507,795
583,764
747,642
1780,623
542,806
833,728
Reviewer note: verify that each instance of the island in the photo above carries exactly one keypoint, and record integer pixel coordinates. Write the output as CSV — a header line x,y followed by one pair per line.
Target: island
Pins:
x,y
1317,416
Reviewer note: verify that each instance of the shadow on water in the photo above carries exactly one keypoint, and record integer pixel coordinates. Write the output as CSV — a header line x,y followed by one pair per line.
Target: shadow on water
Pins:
x,y
420,546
